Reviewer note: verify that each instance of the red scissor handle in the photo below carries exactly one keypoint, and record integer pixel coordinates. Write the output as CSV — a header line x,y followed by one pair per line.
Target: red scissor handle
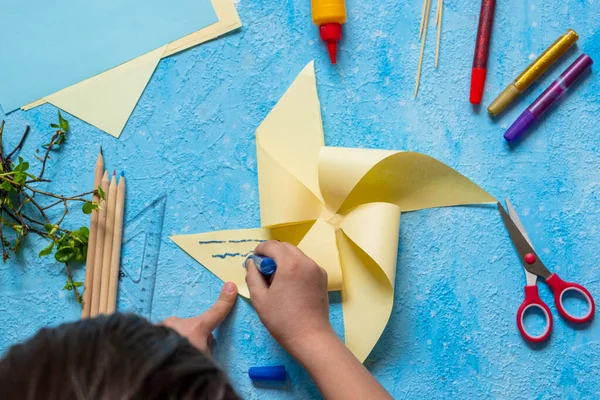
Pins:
x,y
560,287
532,299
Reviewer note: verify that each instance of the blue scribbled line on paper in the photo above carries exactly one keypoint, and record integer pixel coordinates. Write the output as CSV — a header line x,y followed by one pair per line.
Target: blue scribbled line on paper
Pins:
x,y
223,256
232,241
203,242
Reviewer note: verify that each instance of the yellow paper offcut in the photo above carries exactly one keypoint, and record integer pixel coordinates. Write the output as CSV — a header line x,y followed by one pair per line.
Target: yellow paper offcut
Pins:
x,y
107,100
341,206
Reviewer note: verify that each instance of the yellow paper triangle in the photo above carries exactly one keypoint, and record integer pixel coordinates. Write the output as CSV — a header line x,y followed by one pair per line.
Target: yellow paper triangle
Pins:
x,y
107,100
292,133
319,244
369,257
367,297
223,253
414,181
380,244
284,198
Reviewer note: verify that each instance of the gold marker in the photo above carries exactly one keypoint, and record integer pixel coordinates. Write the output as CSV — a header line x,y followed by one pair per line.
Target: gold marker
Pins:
x,y
534,71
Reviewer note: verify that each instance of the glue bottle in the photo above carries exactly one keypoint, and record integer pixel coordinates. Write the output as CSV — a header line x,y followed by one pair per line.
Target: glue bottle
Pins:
x,y
329,15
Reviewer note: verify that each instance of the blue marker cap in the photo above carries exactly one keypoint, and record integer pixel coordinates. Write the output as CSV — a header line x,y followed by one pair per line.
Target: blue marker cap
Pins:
x,y
265,265
272,373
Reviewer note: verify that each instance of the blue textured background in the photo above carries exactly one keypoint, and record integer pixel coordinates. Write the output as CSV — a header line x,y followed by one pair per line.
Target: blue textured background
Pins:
x,y
452,333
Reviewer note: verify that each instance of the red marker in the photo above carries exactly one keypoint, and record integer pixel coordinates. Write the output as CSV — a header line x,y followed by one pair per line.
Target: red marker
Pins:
x,y
482,49
329,15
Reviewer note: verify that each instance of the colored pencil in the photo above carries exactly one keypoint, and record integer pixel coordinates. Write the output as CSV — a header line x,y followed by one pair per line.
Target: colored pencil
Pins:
x,y
116,248
89,265
99,250
108,243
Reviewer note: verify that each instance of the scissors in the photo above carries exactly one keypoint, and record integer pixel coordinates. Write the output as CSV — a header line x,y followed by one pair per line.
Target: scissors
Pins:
x,y
534,268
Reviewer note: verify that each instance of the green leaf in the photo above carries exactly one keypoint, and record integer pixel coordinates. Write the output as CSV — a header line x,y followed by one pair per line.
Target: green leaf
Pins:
x,y
7,187
55,126
87,208
85,232
78,284
79,254
63,240
47,250
19,178
80,237
64,124
68,286
64,254
101,193
22,166
50,228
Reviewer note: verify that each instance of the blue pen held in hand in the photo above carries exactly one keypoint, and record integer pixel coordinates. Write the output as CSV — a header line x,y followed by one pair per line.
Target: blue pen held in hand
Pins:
x,y
265,265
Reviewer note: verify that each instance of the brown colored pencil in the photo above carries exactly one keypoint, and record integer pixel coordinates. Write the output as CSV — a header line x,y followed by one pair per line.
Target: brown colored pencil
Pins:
x,y
99,249
89,264
108,243
116,248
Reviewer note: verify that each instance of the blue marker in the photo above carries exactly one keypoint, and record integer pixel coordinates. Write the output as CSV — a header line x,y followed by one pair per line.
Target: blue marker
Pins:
x,y
272,373
265,265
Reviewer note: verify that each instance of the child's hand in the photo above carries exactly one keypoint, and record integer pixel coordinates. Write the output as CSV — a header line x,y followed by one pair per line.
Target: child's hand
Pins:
x,y
295,305
198,330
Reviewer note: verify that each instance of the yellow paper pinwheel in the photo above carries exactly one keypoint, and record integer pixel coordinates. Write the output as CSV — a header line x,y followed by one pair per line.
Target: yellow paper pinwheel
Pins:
x,y
341,206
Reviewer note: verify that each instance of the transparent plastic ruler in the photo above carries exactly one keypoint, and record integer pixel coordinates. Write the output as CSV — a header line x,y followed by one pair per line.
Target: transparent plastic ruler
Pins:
x,y
139,259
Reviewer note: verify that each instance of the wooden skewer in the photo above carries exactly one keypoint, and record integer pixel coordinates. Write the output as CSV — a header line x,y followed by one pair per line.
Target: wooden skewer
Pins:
x,y
116,248
428,8
422,18
108,243
440,7
99,250
89,264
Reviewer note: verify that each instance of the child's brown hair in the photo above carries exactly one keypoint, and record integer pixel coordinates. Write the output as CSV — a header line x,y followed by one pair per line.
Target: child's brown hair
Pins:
x,y
119,357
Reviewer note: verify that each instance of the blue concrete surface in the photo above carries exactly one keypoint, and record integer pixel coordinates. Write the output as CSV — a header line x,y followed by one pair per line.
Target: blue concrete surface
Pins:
x,y
452,333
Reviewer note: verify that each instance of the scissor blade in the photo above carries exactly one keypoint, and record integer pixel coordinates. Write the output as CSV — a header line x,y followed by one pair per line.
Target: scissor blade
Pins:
x,y
529,277
515,218
522,246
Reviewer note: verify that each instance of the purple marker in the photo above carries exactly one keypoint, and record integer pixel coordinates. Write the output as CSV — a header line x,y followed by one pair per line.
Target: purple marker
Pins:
x,y
550,95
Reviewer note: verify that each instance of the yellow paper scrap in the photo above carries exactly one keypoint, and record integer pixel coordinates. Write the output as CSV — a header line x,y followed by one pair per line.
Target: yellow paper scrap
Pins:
x,y
108,99
340,206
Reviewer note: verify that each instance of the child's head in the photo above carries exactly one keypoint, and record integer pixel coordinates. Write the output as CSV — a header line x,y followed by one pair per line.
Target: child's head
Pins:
x,y
115,357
